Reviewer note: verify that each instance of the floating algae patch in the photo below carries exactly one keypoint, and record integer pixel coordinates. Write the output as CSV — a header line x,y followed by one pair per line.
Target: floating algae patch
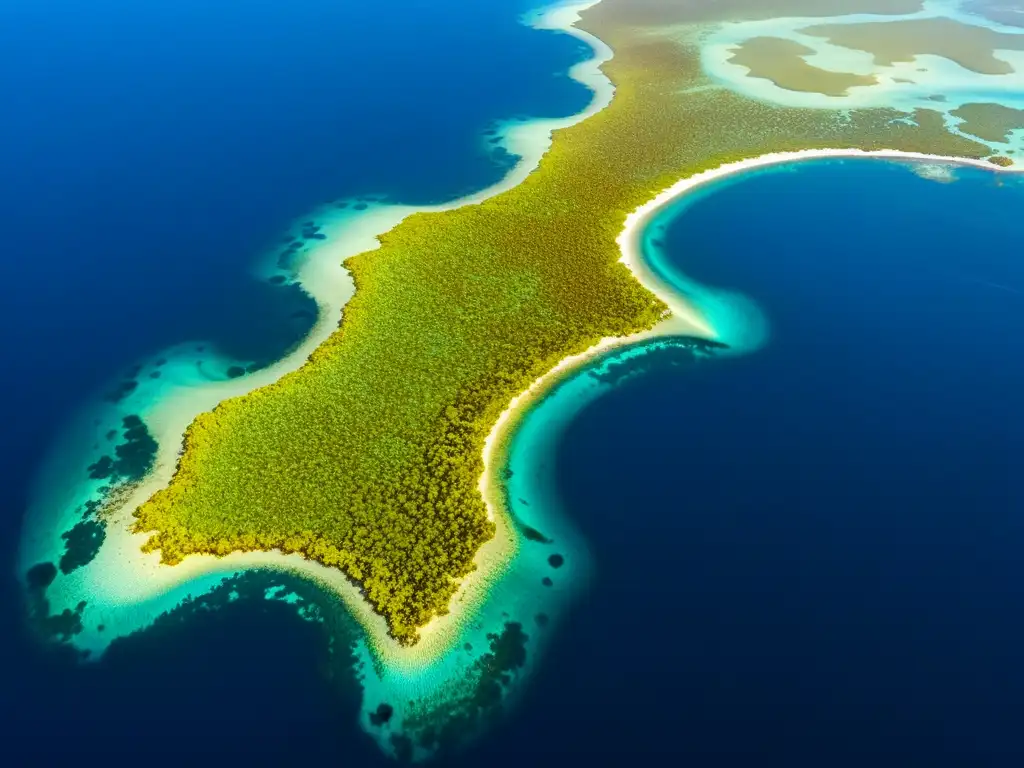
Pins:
x,y
462,711
309,601
105,451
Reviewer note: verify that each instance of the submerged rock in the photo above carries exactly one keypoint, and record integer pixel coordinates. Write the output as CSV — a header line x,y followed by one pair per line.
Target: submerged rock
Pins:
x,y
81,543
382,715
41,575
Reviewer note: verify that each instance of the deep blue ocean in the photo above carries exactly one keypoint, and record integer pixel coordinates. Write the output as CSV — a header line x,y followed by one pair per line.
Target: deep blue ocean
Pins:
x,y
804,556
153,151
811,555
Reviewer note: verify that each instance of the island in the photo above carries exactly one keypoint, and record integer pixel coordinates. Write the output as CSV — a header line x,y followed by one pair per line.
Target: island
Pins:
x,y
380,455
368,457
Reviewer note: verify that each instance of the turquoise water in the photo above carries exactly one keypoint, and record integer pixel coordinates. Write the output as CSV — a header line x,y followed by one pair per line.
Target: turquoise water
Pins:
x,y
175,163
907,86
704,509
806,554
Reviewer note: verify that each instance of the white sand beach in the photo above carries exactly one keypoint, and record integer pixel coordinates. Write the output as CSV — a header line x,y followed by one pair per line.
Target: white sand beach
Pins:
x,y
683,318
127,589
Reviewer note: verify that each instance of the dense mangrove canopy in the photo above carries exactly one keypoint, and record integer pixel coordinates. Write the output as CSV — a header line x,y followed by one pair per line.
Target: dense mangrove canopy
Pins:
x,y
368,457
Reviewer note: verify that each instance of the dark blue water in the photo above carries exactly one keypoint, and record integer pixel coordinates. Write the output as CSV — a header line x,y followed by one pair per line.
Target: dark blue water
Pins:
x,y
152,151
810,555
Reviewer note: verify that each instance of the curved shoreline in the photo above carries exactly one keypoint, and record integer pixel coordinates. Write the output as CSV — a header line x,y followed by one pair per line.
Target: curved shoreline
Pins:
x,y
134,587
683,318
133,584
153,589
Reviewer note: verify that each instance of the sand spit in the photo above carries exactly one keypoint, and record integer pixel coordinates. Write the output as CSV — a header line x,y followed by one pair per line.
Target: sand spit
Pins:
x,y
684,318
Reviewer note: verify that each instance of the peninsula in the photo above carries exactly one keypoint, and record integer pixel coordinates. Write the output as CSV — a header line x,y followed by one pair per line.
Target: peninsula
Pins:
x,y
367,458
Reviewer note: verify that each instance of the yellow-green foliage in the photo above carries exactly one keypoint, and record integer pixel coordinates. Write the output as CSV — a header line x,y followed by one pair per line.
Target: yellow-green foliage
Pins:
x,y
368,457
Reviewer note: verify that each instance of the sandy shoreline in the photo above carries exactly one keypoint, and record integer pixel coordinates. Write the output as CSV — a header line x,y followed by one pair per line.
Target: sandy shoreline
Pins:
x,y
128,589
683,318
629,239
132,588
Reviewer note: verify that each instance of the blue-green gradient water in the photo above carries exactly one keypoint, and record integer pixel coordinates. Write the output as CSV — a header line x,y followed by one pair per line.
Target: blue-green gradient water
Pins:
x,y
810,554
807,555
153,151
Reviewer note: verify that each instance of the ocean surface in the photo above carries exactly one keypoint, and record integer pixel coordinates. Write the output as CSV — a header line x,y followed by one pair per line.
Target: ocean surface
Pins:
x,y
809,554
805,554
155,153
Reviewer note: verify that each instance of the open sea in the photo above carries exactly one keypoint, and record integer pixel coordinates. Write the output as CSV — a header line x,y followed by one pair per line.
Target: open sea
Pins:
x,y
153,153
807,555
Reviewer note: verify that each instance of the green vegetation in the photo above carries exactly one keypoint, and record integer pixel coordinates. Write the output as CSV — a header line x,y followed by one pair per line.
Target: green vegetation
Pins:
x,y
989,122
367,458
